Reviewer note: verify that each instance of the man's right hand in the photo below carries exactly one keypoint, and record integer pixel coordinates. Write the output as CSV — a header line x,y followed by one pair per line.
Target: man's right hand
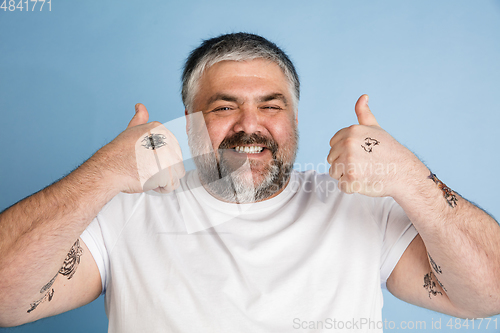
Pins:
x,y
37,232
146,156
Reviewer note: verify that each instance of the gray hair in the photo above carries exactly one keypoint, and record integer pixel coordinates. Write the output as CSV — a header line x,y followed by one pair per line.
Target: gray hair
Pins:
x,y
235,47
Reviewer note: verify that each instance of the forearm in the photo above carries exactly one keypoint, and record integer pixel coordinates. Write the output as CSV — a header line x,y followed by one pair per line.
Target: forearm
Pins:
x,y
462,242
37,232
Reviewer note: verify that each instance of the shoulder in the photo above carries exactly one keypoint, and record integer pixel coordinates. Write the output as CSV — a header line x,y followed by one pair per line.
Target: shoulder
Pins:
x,y
123,203
124,206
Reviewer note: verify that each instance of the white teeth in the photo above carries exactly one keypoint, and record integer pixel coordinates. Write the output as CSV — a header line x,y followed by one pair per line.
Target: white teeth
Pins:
x,y
248,150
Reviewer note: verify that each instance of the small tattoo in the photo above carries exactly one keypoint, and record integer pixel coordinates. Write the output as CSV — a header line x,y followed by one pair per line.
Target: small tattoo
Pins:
x,y
430,285
435,266
448,194
47,297
441,284
68,269
369,144
72,260
154,141
48,285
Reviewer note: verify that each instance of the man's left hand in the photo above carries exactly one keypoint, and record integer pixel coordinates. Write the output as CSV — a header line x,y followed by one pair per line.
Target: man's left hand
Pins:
x,y
365,159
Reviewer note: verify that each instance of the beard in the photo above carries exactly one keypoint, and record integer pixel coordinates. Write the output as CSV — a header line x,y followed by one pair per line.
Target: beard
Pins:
x,y
243,180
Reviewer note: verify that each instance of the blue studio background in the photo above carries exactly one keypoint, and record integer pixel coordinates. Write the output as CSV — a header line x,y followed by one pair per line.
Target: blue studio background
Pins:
x,y
69,79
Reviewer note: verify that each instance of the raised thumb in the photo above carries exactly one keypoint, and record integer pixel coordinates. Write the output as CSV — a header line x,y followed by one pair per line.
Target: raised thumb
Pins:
x,y
365,116
141,116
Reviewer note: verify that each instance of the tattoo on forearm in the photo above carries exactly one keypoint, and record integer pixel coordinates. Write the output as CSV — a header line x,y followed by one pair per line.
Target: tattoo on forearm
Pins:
x,y
436,269
441,284
435,266
369,144
72,260
47,297
48,285
154,141
430,285
68,269
448,194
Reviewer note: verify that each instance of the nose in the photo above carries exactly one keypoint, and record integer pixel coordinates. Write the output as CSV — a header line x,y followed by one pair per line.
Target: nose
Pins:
x,y
248,121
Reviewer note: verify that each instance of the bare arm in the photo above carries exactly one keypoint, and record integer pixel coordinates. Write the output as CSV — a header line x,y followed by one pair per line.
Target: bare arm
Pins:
x,y
453,266
37,233
38,276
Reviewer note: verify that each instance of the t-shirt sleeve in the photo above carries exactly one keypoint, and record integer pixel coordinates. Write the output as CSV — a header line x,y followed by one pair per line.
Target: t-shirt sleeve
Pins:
x,y
397,234
102,233
92,237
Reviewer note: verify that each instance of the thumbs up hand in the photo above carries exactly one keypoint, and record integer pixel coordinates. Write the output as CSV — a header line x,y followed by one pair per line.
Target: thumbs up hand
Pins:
x,y
365,159
146,156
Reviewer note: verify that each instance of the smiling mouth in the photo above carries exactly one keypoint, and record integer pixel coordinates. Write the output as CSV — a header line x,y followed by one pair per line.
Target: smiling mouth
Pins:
x,y
249,149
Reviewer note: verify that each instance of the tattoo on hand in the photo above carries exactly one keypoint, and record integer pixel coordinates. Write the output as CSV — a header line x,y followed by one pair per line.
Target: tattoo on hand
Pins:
x,y
435,266
154,141
68,269
448,194
430,285
369,144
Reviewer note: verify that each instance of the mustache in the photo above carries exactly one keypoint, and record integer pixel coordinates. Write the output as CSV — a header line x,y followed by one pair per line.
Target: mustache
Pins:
x,y
242,138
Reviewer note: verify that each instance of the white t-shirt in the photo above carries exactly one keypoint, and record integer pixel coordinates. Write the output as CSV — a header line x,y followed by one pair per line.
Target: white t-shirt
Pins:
x,y
311,258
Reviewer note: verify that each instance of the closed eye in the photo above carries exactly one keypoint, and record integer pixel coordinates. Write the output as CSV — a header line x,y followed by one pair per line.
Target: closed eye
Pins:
x,y
222,108
271,108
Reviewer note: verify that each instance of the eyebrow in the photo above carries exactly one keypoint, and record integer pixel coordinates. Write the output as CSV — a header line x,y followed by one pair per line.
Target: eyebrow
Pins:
x,y
222,97
272,97
230,98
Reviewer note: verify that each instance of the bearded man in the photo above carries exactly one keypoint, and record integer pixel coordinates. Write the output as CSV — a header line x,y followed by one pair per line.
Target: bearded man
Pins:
x,y
245,243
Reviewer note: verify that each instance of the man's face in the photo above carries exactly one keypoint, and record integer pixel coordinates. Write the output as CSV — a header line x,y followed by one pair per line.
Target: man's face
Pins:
x,y
248,112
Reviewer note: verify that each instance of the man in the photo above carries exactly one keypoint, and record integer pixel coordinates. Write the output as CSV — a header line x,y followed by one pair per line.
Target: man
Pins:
x,y
244,243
